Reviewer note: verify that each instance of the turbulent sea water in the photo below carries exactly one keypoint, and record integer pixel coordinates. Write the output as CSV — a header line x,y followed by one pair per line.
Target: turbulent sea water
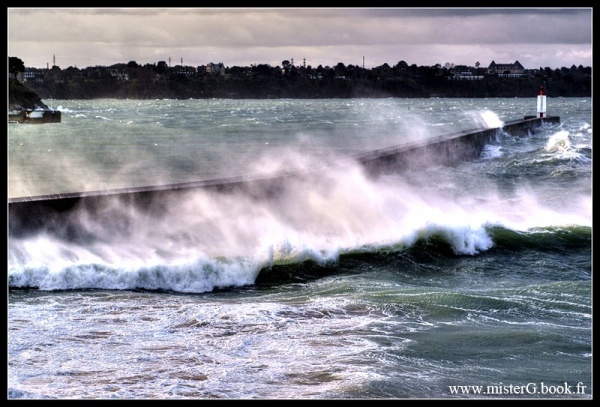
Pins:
x,y
466,281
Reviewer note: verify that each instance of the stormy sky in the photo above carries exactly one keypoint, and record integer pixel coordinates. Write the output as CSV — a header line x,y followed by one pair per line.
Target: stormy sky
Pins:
x,y
82,37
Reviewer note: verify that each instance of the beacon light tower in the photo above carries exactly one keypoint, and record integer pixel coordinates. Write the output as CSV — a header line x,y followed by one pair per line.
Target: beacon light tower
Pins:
x,y
541,102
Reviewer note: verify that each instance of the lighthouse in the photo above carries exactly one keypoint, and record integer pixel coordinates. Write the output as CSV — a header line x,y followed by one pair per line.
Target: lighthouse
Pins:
x,y
541,102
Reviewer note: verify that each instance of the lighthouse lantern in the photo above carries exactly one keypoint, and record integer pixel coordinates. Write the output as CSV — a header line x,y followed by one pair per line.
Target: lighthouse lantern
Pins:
x,y
541,102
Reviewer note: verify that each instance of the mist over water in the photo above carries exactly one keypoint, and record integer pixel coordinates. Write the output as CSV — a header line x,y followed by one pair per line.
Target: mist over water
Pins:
x,y
119,144
370,283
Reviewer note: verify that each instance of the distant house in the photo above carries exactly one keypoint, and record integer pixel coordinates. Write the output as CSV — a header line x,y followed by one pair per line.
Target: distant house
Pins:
x,y
185,70
33,75
118,74
462,73
507,70
215,69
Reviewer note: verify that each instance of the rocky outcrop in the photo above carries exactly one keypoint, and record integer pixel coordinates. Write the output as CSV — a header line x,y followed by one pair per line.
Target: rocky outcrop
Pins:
x,y
22,98
25,106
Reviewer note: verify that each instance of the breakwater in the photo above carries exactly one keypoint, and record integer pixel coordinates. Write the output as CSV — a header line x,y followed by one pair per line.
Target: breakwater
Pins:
x,y
448,149
34,116
62,213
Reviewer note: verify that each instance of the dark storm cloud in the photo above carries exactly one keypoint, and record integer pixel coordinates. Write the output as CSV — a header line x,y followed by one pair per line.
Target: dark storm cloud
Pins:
x,y
243,36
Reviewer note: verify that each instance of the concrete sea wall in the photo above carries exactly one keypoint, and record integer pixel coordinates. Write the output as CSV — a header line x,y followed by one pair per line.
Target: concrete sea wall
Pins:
x,y
59,213
448,149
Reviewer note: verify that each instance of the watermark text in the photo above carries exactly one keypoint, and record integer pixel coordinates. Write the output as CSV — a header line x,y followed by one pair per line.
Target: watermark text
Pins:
x,y
529,389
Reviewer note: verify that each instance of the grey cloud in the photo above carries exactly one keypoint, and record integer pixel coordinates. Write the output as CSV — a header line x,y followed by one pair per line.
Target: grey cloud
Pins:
x,y
323,36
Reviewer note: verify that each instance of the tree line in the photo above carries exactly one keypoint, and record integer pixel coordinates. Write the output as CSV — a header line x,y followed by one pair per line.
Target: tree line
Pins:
x,y
135,81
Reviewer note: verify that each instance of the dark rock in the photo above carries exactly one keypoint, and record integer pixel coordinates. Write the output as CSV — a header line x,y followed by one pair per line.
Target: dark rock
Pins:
x,y
22,98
